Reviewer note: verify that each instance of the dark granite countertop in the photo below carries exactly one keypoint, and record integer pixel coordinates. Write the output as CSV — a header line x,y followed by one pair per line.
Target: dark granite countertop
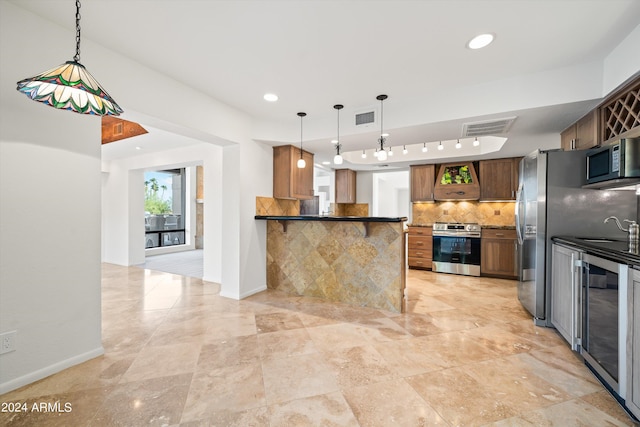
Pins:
x,y
332,218
613,249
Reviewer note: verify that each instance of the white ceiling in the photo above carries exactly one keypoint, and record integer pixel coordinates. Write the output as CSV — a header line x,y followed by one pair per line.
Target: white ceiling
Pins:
x,y
316,53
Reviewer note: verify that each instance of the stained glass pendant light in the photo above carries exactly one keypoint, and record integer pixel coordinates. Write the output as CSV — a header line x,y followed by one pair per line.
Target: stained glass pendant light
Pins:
x,y
70,86
301,162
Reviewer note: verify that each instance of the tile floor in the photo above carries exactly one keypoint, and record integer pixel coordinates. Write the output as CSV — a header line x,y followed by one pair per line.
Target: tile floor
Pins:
x,y
176,353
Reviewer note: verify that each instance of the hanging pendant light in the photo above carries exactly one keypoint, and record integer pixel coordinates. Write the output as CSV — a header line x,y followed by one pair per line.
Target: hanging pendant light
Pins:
x,y
381,154
70,86
337,159
301,162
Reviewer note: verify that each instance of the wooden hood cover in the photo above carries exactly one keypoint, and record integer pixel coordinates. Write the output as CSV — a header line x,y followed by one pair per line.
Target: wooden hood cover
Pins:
x,y
457,181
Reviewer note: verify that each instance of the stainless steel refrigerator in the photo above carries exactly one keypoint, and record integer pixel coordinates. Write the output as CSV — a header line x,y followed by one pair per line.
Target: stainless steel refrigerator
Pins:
x,y
551,202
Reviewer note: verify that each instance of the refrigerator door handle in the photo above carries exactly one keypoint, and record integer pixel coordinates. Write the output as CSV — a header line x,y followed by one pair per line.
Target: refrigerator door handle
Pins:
x,y
519,205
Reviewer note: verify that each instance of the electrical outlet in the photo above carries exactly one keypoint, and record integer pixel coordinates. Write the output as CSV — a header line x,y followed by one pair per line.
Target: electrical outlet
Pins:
x,y
8,342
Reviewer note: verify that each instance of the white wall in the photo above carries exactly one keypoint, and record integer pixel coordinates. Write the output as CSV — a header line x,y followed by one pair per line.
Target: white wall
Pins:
x,y
622,62
49,218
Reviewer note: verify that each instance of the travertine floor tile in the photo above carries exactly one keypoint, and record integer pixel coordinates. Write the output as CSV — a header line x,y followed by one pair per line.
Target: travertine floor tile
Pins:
x,y
471,405
391,403
297,377
325,410
179,354
233,388
356,366
163,360
285,343
157,401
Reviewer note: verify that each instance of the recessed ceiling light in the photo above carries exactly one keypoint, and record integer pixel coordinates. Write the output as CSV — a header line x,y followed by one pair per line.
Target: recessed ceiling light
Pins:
x,y
138,148
334,141
480,41
271,97
326,163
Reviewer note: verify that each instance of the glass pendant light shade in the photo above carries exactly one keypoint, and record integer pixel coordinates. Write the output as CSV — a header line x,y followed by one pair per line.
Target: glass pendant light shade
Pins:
x,y
337,159
382,155
70,86
301,163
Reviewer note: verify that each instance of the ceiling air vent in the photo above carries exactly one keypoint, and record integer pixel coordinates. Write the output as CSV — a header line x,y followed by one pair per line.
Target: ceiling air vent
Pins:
x,y
365,118
487,127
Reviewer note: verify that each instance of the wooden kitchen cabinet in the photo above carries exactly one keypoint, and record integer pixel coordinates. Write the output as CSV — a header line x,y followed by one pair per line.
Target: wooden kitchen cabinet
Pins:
x,y
565,292
420,245
498,253
289,181
345,186
582,134
422,183
499,179
633,343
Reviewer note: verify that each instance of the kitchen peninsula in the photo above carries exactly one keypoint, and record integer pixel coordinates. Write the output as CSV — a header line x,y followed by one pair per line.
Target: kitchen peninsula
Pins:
x,y
351,259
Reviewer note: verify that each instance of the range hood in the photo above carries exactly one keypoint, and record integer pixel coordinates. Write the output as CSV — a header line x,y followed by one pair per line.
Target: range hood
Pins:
x,y
457,181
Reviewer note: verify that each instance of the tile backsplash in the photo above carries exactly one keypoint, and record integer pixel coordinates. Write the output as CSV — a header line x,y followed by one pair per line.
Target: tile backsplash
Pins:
x,y
273,206
491,213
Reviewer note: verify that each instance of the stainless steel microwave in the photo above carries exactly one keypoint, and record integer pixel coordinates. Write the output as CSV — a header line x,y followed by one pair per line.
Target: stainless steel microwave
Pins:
x,y
620,159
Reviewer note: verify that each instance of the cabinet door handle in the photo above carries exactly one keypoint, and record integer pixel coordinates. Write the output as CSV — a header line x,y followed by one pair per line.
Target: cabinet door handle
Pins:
x,y
419,243
499,234
419,253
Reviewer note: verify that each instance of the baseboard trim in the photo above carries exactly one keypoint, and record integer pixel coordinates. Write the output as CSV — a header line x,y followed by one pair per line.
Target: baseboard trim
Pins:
x,y
49,370
244,294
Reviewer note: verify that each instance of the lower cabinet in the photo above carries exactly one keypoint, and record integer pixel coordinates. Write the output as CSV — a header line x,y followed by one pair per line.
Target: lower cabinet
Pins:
x,y
565,293
420,245
633,343
498,253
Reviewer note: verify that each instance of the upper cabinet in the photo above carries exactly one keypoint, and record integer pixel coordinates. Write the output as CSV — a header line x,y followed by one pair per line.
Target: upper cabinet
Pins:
x,y
620,112
422,180
289,181
618,116
499,179
581,135
345,186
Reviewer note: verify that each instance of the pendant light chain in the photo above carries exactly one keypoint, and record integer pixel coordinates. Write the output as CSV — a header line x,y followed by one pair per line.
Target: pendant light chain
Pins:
x,y
77,55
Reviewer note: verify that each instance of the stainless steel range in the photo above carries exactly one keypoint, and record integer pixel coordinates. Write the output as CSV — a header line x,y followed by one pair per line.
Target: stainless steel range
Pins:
x,y
456,248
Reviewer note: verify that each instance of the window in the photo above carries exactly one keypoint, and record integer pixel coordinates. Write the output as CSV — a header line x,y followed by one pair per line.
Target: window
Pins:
x,y
164,205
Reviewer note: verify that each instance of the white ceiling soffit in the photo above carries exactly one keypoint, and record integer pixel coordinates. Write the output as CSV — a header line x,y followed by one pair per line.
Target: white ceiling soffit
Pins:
x,y
487,127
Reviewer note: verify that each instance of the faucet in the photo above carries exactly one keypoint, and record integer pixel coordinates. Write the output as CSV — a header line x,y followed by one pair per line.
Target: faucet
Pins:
x,y
633,230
